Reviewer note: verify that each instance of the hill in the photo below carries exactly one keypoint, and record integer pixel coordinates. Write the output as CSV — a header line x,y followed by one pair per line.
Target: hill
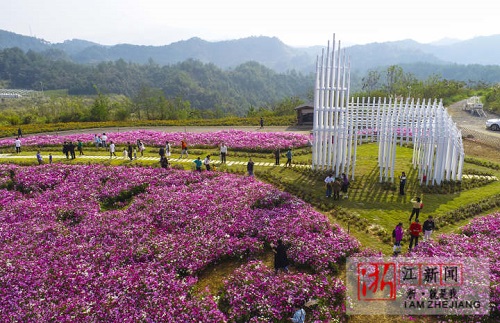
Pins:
x,y
268,51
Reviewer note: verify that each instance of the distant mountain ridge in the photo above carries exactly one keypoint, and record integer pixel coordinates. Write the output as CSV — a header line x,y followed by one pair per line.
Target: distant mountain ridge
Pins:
x,y
268,51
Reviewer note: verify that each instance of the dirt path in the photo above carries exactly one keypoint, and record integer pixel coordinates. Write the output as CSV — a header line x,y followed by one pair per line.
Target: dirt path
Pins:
x,y
465,120
478,140
298,129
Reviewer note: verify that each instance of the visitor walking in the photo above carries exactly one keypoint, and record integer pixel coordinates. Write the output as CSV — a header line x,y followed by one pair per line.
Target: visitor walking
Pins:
x,y
198,164
402,183
164,162
142,148
17,144
415,229
96,141
417,205
329,185
19,133
112,149
65,149
50,158
71,148
250,167
79,146
428,227
261,122
129,150
104,139
280,256
277,156
206,162
336,188
345,185
288,157
223,153
184,149
168,149
161,152
39,158
397,234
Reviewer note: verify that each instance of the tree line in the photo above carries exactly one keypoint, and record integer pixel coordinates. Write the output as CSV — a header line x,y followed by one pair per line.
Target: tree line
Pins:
x,y
189,90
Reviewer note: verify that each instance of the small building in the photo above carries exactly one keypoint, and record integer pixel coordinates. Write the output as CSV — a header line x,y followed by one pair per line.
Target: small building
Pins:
x,y
305,114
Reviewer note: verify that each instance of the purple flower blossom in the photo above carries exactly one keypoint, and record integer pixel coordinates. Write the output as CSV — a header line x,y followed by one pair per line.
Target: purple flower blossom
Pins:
x,y
67,258
234,139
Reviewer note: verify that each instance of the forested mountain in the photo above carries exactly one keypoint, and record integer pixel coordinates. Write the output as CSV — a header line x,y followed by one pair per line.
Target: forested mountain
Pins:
x,y
268,51
228,76
205,86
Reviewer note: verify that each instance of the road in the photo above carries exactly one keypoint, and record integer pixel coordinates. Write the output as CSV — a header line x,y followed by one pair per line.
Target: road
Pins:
x,y
465,120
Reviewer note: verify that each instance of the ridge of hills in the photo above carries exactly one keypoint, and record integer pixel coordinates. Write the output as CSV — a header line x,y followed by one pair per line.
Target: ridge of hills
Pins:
x,y
268,51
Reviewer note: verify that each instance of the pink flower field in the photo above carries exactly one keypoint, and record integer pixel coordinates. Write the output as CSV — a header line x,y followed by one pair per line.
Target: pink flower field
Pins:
x,y
234,139
480,239
93,243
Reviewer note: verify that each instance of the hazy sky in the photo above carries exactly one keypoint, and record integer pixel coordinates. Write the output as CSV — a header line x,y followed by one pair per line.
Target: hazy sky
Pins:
x,y
296,23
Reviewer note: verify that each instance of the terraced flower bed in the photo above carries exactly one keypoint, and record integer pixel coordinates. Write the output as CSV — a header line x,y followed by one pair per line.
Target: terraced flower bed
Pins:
x,y
235,139
91,243
478,239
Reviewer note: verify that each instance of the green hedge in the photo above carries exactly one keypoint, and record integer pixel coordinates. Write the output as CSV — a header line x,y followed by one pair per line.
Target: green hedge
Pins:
x,y
8,131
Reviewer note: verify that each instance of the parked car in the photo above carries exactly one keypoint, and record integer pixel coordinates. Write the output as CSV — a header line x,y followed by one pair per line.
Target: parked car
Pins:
x,y
493,124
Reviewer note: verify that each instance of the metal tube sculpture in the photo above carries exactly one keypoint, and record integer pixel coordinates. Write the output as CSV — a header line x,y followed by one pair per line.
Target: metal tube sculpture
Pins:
x,y
340,125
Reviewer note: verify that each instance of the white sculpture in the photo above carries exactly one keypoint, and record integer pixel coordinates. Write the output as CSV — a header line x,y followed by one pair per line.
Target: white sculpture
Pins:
x,y
340,125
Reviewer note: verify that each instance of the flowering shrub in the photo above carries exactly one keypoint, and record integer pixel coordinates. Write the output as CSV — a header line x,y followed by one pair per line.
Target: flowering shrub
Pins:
x,y
234,139
227,122
479,239
254,293
65,258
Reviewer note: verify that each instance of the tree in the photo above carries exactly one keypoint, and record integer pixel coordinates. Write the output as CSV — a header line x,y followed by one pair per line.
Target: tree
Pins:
x,y
99,110
394,80
286,106
371,81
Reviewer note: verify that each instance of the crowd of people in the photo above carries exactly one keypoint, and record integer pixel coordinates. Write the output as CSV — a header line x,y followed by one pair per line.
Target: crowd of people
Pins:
x,y
337,186
131,152
415,228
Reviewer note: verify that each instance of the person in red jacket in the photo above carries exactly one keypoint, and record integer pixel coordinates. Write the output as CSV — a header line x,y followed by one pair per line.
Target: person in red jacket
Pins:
x,y
415,229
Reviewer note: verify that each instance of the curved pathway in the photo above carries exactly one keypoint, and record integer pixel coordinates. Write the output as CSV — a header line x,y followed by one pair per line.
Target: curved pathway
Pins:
x,y
145,158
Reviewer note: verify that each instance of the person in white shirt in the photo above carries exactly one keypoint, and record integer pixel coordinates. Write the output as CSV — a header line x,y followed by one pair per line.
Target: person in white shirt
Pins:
x,y
112,150
329,185
206,162
168,149
223,153
18,145
103,140
142,148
